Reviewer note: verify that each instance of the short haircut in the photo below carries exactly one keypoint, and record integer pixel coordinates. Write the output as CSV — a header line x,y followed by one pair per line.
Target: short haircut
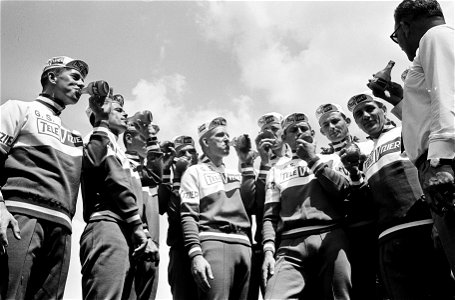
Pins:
x,y
417,9
56,71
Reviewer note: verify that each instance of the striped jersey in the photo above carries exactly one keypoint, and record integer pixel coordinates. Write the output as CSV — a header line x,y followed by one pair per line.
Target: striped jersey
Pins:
x,y
40,161
215,202
394,182
260,185
303,199
359,207
107,184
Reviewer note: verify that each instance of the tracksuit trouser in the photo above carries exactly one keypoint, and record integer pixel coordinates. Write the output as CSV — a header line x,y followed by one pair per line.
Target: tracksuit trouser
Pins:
x,y
231,267
105,260
183,286
411,268
36,266
363,257
444,224
320,259
145,280
255,285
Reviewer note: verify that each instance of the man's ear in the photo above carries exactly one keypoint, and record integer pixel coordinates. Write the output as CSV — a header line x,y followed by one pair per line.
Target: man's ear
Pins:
x,y
128,138
348,121
52,77
313,132
283,135
205,142
320,130
406,27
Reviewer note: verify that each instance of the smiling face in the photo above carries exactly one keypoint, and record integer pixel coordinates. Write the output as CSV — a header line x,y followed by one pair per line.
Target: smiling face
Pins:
x,y
334,126
67,86
370,117
117,119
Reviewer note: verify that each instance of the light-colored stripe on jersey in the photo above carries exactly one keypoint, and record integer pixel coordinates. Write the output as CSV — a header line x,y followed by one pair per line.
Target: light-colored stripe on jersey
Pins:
x,y
40,209
194,249
404,226
32,142
106,213
387,150
133,218
224,235
308,228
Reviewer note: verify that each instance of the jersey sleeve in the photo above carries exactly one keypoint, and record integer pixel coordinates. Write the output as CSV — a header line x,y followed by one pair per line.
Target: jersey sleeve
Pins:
x,y
271,211
189,211
12,118
336,184
247,187
98,153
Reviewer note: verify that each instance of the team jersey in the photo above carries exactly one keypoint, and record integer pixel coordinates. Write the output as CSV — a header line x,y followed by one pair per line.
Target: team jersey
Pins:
x,y
260,185
394,183
40,161
107,185
303,199
146,182
214,206
359,208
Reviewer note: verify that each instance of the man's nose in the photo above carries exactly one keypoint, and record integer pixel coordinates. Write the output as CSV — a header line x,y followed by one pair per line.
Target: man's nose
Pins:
x,y
80,83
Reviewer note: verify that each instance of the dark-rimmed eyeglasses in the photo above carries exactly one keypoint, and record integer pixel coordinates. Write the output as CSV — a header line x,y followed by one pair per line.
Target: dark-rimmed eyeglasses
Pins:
x,y
393,36
294,129
189,151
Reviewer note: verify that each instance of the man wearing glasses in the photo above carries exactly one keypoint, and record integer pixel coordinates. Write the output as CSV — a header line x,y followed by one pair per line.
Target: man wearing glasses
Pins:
x,y
427,109
303,214
216,202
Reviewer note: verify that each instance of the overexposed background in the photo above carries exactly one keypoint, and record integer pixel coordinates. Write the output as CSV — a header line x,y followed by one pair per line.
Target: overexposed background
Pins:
x,y
189,61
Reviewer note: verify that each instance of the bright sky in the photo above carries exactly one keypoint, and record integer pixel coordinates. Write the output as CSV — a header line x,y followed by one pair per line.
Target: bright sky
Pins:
x,y
188,62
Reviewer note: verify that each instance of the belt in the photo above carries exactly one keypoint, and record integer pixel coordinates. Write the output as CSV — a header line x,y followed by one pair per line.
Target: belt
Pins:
x,y
228,228
443,161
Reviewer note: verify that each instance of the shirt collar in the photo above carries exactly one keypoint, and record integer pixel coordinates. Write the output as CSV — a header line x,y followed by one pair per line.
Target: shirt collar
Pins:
x,y
47,101
387,127
133,155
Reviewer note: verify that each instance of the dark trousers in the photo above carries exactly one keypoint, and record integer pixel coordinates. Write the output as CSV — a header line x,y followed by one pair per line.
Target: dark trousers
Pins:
x,y
410,267
321,258
179,275
444,224
255,284
363,253
105,260
146,280
231,266
36,266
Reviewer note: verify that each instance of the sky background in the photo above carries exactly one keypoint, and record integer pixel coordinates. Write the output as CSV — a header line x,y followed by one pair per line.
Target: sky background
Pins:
x,y
189,62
